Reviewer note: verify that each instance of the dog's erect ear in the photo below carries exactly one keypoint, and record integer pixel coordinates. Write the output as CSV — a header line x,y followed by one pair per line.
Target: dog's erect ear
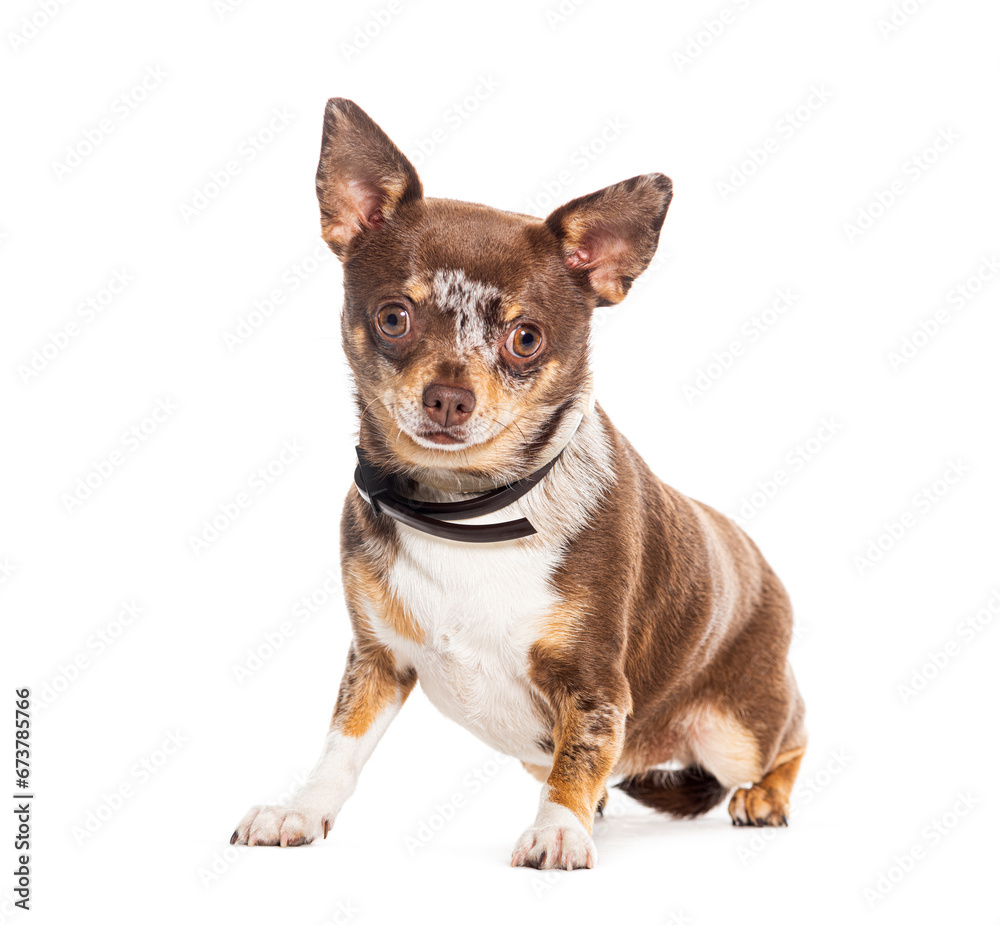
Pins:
x,y
362,176
612,234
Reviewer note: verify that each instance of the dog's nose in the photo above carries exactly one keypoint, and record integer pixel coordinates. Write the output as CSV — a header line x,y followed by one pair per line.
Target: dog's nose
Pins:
x,y
447,404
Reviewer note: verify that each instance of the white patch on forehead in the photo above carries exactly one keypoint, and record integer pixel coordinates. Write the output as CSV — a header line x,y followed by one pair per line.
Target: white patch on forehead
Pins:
x,y
464,298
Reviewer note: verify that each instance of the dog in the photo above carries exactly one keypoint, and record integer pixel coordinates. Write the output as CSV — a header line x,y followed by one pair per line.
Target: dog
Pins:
x,y
591,621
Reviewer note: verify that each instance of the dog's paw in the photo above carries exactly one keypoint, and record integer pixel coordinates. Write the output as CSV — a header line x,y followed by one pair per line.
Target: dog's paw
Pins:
x,y
276,825
759,806
559,847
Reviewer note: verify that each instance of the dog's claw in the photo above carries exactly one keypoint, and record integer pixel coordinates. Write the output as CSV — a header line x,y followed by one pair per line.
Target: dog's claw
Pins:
x,y
279,826
758,806
236,835
326,828
554,847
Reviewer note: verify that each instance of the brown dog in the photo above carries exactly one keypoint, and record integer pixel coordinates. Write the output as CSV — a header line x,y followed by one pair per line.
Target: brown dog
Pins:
x,y
591,621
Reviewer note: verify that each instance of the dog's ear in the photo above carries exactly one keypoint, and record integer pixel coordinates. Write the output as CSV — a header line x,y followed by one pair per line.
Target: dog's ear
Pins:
x,y
362,176
611,235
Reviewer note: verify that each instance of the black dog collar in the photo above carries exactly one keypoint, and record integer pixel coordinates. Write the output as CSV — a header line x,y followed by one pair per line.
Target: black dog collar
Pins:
x,y
429,516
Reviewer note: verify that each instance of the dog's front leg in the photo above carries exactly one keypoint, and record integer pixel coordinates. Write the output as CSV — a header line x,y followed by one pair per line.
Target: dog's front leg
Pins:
x,y
589,733
371,693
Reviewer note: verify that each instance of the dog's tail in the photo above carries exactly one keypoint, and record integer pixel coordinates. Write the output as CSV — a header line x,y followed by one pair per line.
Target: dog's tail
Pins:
x,y
685,794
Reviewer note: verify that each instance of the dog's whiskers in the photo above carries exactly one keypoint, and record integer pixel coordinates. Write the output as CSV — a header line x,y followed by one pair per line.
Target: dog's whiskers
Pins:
x,y
505,427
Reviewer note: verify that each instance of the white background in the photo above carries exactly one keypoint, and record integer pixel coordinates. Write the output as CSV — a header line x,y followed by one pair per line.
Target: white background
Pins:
x,y
523,108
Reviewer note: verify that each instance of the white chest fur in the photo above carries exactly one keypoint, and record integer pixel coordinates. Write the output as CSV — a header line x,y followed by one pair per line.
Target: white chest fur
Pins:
x,y
480,607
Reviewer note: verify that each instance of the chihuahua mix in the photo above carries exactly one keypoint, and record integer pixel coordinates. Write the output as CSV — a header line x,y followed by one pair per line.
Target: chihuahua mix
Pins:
x,y
590,620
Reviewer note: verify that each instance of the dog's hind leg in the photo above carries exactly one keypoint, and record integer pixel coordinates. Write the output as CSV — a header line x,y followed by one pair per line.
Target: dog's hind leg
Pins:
x,y
767,801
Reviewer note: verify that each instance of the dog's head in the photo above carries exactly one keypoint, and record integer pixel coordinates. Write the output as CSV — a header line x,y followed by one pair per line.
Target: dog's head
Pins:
x,y
467,327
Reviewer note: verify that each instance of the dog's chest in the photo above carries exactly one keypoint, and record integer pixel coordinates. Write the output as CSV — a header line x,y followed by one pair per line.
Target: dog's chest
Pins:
x,y
478,609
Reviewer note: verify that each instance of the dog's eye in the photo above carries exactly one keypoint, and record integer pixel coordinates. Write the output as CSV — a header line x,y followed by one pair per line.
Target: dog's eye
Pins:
x,y
524,341
393,320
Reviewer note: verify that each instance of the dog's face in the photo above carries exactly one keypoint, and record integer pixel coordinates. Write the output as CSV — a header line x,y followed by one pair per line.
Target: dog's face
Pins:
x,y
467,328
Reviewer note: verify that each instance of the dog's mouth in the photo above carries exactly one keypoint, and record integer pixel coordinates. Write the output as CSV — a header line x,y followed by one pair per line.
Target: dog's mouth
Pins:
x,y
412,424
446,438
463,436
442,438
